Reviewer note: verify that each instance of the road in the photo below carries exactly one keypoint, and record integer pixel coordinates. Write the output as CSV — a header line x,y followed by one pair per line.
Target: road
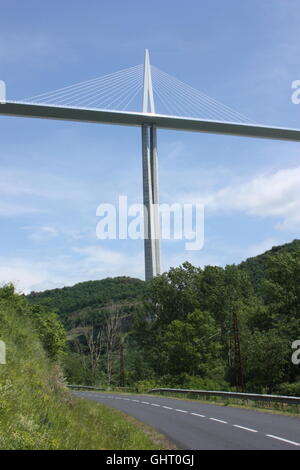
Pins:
x,y
193,425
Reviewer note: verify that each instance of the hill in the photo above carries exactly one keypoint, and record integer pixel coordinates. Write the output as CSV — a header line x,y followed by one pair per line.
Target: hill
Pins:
x,y
92,296
257,266
88,298
120,336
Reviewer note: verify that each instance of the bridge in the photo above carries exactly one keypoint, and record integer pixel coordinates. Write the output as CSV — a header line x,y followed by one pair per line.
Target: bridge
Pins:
x,y
109,99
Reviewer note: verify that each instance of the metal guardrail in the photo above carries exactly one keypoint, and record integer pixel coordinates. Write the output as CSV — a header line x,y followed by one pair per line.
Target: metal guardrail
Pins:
x,y
86,387
243,396
214,393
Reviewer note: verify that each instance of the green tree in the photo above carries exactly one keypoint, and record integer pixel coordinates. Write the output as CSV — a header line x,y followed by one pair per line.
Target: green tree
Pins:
x,y
191,346
265,357
50,330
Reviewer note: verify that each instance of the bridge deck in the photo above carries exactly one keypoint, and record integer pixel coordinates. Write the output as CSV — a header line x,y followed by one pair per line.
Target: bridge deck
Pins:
x,y
137,119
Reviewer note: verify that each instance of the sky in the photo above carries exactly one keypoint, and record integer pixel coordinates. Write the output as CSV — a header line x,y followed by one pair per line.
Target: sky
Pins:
x,y
53,175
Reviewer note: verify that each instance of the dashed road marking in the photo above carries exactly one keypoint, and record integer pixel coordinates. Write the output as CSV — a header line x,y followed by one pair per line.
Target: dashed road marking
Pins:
x,y
243,427
195,414
284,440
219,420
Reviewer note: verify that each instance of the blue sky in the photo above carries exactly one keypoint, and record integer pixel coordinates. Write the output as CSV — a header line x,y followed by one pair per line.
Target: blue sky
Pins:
x,y
54,174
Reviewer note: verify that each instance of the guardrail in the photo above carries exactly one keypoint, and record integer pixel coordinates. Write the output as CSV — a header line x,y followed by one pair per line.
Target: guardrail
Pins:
x,y
239,395
88,387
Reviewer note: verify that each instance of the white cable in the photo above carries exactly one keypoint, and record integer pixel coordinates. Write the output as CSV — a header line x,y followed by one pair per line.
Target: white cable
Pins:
x,y
119,99
177,99
131,99
156,92
231,115
120,103
73,95
172,105
108,90
182,100
107,96
84,83
201,96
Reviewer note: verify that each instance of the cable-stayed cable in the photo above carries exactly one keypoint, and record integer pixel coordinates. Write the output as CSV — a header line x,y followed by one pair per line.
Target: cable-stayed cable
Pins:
x,y
103,92
191,102
119,90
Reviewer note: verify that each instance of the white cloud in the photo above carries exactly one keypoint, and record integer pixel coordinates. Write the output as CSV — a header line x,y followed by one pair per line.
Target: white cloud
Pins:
x,y
273,195
22,183
21,272
197,258
259,248
92,262
10,209
42,233
45,285
104,262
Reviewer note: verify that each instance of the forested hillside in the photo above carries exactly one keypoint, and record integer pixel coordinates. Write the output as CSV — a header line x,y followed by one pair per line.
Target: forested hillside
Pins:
x,y
90,293
258,265
180,328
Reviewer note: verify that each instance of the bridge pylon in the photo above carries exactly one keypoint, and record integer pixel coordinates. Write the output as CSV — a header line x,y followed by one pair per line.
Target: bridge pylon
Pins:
x,y
150,181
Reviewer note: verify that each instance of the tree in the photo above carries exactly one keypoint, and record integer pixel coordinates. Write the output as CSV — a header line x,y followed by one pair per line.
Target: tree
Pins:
x,y
112,329
265,357
172,295
93,340
191,346
281,289
50,329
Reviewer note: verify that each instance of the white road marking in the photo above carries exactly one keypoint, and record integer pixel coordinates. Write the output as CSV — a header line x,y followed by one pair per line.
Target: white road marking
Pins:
x,y
219,420
197,414
243,427
284,440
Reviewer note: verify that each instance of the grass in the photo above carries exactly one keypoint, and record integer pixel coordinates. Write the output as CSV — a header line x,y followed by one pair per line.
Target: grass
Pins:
x,y
37,412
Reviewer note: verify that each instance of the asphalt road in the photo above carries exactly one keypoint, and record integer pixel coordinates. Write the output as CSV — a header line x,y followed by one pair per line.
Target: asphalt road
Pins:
x,y
193,425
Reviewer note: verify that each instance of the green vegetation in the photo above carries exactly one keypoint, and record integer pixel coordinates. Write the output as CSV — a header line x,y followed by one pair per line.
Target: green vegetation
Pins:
x,y
257,266
175,331
74,304
178,330
36,409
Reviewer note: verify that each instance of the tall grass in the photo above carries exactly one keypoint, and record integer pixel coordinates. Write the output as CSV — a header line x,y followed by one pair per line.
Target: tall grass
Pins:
x,y
36,409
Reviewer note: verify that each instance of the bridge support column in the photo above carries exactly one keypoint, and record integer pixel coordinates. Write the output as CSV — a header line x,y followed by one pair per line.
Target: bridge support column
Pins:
x,y
150,180
150,200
